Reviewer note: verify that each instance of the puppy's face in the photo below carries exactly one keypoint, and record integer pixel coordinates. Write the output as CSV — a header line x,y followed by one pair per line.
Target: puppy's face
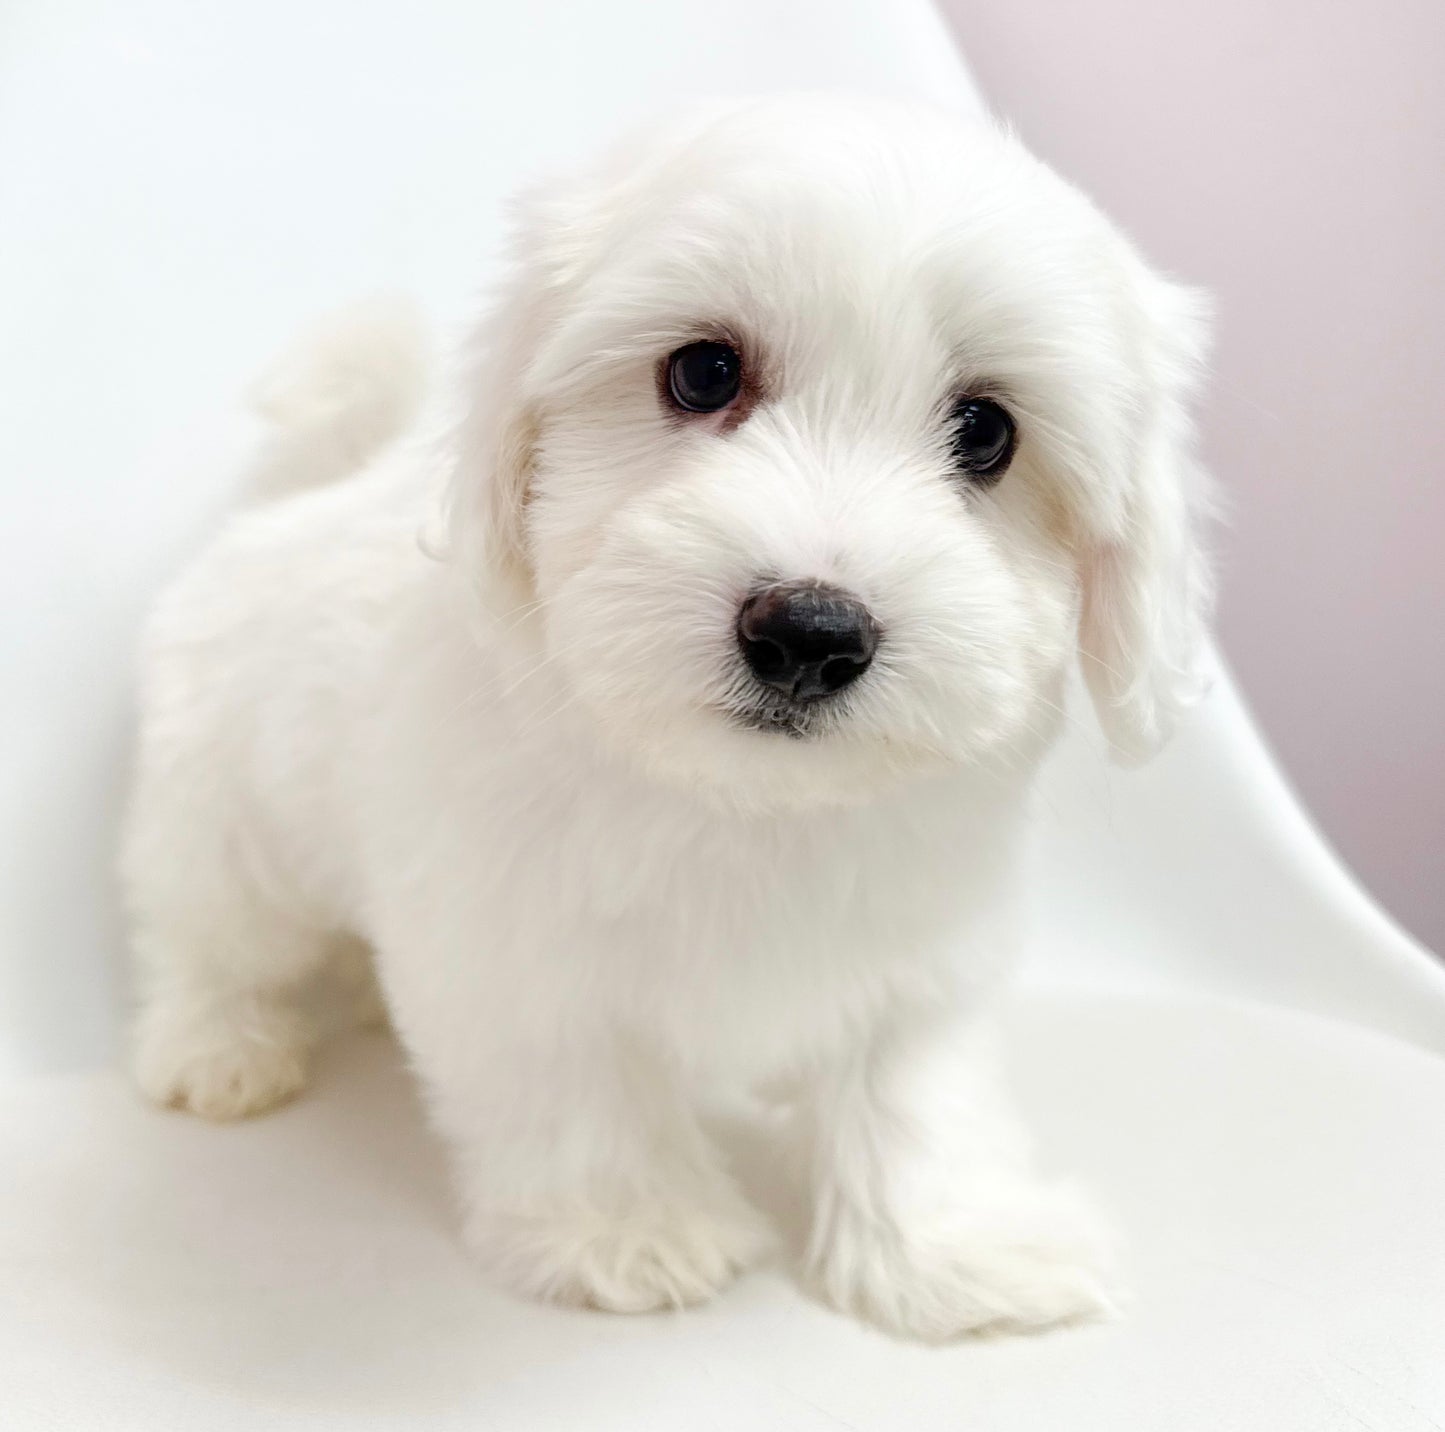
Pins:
x,y
815,433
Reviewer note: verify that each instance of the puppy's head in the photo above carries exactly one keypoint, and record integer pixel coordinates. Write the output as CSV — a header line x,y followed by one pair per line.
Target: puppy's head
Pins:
x,y
820,434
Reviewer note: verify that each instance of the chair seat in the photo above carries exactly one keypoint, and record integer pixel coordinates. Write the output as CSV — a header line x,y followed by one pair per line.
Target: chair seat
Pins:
x,y
1279,1179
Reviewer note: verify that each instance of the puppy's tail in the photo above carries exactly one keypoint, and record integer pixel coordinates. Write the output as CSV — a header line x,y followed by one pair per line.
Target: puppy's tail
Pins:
x,y
337,396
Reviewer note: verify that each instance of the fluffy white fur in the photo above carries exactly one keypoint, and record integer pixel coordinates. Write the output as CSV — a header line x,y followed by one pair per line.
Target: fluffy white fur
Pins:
x,y
470,702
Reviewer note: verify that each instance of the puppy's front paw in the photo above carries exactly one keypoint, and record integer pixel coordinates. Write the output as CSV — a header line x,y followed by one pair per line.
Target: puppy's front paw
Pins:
x,y
1018,1263
652,1257
222,1061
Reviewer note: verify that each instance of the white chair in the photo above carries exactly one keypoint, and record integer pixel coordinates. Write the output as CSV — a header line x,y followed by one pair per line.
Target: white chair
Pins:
x,y
1222,1036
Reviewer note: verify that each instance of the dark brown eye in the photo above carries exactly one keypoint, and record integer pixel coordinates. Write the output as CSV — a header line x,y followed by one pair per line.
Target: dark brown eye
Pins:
x,y
704,377
983,439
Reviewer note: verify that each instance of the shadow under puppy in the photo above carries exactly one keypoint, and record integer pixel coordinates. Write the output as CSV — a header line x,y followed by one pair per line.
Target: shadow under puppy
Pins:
x,y
810,439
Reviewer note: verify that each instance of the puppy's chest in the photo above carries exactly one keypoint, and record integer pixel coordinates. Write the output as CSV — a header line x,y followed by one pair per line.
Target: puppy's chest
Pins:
x,y
761,942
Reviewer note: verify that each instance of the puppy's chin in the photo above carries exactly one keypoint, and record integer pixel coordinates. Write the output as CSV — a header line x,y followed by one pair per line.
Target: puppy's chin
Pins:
x,y
767,759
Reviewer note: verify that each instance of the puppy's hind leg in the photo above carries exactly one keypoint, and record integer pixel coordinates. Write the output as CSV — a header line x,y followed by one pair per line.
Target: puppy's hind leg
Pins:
x,y
221,1049
217,967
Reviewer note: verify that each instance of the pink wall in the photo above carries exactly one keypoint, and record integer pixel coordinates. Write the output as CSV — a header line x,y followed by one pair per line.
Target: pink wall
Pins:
x,y
1289,157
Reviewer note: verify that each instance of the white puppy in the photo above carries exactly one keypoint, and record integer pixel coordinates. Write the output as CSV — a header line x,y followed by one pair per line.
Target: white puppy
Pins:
x,y
673,722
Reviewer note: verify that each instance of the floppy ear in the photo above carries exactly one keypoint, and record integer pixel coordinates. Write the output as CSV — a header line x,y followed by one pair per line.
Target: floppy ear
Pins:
x,y
495,441
1147,588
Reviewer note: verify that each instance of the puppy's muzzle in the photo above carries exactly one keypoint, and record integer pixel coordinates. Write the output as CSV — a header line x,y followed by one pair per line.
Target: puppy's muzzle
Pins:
x,y
806,640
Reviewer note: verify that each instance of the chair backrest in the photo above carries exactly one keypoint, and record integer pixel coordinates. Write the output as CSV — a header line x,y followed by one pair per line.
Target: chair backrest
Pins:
x,y
1204,872
180,187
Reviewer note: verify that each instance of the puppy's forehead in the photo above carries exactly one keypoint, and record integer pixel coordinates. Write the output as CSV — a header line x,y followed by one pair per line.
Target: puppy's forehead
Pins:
x,y
953,226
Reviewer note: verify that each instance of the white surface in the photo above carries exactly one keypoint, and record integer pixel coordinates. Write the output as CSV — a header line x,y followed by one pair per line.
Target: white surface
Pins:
x,y
180,185
1281,1179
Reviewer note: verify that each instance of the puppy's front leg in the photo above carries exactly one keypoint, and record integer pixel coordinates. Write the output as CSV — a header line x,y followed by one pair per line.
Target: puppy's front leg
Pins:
x,y
928,1218
583,1171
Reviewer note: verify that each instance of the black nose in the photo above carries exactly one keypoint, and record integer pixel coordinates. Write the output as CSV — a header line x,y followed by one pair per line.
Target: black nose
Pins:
x,y
805,639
